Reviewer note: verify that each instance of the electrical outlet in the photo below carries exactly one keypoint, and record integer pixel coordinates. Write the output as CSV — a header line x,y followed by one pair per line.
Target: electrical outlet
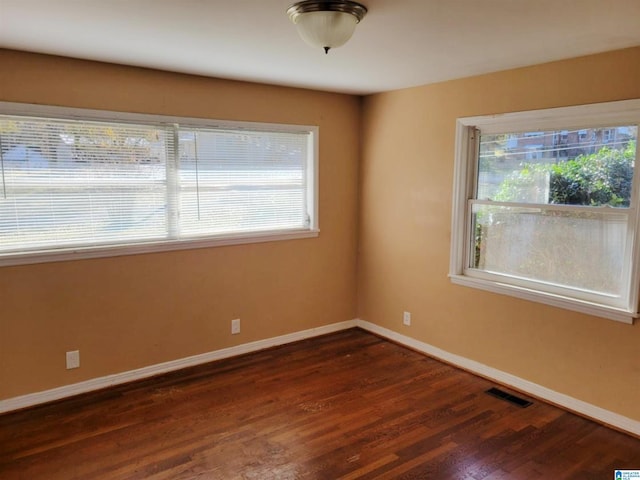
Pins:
x,y
406,318
235,326
73,359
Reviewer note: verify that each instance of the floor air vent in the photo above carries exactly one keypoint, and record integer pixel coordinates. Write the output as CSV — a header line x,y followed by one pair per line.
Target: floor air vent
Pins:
x,y
520,402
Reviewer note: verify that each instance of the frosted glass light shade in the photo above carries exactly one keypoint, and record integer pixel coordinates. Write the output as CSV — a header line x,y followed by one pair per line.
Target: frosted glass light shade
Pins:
x,y
326,29
326,23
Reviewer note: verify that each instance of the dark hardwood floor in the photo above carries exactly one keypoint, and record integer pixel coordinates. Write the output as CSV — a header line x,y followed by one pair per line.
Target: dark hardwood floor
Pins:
x,y
348,405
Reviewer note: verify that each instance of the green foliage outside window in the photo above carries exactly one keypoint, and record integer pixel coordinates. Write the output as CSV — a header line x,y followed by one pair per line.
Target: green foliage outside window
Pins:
x,y
601,178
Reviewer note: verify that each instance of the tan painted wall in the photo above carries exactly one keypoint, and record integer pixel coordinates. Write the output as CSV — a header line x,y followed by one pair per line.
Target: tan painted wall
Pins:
x,y
127,312
406,191
132,311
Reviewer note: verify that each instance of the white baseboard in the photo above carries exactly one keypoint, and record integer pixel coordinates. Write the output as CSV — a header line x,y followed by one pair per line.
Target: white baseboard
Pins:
x,y
31,399
572,404
605,416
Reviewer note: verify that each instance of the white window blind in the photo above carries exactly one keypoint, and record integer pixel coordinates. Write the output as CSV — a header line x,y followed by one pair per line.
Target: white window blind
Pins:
x,y
69,184
242,181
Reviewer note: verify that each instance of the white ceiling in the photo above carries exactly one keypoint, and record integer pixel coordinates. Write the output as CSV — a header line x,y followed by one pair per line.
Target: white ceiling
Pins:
x,y
400,43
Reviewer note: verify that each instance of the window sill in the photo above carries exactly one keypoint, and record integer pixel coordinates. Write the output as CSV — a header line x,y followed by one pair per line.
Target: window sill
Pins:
x,y
78,253
610,313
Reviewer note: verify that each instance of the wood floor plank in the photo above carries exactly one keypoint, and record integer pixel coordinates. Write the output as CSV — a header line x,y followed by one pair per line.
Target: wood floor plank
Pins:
x,y
349,405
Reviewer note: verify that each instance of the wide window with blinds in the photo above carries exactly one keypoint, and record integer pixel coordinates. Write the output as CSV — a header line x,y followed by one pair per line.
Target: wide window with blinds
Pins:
x,y
87,183
550,207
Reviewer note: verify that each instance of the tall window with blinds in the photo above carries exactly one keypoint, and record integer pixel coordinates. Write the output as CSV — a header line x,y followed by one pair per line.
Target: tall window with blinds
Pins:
x,y
551,213
81,185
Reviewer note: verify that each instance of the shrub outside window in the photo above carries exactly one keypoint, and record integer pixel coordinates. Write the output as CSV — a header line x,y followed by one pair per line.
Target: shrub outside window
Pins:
x,y
559,226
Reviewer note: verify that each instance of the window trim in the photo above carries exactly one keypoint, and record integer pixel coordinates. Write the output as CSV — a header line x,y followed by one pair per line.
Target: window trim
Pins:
x,y
465,170
134,248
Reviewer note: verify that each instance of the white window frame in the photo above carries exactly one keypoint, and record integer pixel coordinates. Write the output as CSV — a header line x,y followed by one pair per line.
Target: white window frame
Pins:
x,y
465,170
74,253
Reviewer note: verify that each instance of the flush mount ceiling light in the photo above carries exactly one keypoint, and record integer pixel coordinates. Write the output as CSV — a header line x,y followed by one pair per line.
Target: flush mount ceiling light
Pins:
x,y
326,24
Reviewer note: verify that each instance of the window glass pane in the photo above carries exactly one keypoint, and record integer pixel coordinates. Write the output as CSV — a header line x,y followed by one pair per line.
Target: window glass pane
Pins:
x,y
240,181
572,167
71,183
578,249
